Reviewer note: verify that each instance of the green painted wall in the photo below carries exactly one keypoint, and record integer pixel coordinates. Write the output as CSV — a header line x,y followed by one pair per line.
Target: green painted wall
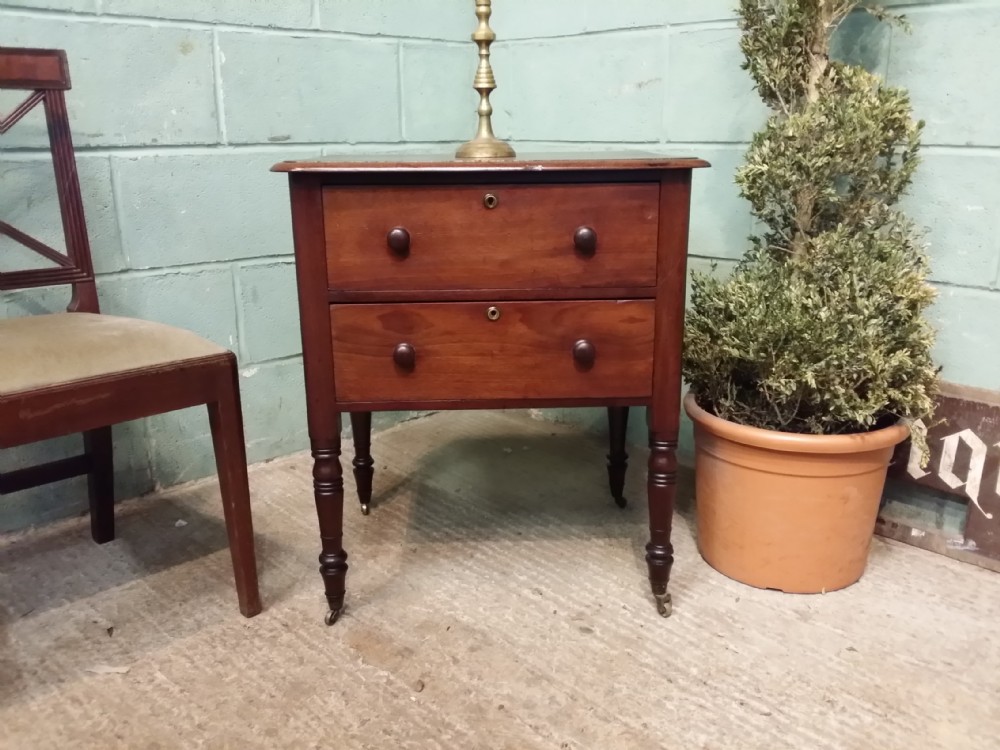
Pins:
x,y
180,106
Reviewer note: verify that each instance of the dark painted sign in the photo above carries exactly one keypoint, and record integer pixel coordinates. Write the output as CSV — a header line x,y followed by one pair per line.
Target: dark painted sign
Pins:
x,y
964,440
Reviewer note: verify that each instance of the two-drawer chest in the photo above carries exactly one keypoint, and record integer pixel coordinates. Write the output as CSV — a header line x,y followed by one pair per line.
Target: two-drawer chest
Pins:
x,y
501,284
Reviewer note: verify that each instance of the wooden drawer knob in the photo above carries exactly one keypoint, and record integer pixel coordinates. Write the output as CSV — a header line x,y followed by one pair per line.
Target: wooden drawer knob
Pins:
x,y
585,239
584,353
398,240
405,356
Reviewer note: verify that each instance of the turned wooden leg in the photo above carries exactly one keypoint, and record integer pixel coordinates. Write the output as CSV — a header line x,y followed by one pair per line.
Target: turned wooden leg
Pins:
x,y
617,457
328,486
101,483
226,420
364,467
661,487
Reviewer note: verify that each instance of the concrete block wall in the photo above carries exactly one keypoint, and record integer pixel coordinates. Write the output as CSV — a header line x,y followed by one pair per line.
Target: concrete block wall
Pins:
x,y
180,106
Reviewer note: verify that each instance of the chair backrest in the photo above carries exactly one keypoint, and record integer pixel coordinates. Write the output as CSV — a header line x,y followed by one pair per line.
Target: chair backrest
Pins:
x,y
44,73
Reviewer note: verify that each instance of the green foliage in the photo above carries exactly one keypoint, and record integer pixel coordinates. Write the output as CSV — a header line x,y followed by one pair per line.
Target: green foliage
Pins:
x,y
821,326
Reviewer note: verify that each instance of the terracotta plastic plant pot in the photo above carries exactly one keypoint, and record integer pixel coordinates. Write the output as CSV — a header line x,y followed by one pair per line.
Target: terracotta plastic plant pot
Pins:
x,y
785,511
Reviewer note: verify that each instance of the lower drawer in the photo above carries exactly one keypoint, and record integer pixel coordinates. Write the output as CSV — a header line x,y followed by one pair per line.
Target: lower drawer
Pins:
x,y
508,350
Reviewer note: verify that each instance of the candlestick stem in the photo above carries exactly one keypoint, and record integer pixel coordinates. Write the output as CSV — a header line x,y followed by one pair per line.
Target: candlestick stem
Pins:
x,y
485,145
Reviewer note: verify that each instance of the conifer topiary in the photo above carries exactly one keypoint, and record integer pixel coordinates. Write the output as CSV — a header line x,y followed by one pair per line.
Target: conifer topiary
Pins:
x,y
821,327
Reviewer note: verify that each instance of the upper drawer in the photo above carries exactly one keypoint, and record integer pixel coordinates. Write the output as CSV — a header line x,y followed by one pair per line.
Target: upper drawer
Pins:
x,y
499,237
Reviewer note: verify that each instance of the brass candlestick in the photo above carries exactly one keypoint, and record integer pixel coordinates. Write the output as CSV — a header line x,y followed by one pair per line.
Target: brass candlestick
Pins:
x,y
485,145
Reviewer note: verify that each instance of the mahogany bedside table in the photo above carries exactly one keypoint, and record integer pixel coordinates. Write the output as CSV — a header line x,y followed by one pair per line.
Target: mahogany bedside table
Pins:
x,y
487,285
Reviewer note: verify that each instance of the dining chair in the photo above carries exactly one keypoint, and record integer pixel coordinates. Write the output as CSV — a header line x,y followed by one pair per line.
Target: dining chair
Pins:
x,y
81,371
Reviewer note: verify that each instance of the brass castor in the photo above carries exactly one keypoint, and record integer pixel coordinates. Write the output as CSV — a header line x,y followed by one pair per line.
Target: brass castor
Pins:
x,y
664,605
365,509
332,616
620,501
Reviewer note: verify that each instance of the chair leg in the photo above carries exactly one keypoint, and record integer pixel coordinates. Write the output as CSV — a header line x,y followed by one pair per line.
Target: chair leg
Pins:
x,y
617,457
226,420
364,466
101,483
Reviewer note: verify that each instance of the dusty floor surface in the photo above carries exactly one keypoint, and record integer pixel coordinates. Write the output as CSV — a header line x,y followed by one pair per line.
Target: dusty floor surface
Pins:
x,y
497,599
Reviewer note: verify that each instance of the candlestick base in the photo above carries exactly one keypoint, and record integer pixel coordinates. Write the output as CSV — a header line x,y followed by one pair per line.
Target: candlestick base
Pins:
x,y
485,148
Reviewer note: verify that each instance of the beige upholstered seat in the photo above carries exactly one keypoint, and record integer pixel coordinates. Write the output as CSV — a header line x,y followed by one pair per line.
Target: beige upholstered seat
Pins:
x,y
46,350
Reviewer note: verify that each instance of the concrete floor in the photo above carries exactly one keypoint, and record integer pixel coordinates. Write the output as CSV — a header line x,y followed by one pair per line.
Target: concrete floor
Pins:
x,y
497,599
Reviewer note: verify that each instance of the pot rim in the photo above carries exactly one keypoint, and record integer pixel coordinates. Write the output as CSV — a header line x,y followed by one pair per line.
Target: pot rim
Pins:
x,y
794,442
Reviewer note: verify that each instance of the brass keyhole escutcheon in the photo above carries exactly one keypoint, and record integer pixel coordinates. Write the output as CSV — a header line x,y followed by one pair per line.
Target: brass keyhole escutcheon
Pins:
x,y
493,313
490,200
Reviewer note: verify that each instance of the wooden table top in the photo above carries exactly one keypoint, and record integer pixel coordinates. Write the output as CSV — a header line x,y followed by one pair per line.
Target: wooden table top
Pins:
x,y
533,163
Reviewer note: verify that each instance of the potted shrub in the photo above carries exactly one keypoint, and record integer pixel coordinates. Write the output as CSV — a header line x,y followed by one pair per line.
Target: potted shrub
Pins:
x,y
806,364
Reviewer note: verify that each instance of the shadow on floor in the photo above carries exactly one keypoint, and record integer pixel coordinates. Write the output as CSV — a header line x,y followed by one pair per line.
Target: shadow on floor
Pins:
x,y
152,535
532,486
